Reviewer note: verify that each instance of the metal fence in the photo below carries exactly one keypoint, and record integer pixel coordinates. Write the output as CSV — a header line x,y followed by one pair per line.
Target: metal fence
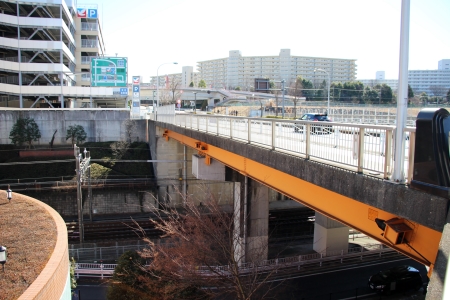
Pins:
x,y
298,261
363,148
100,254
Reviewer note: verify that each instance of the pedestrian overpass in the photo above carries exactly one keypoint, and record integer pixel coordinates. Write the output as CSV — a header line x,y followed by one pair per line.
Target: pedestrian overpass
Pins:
x,y
342,172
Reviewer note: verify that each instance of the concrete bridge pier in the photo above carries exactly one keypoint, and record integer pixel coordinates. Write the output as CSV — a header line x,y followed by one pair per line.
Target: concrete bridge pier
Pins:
x,y
251,218
258,221
329,235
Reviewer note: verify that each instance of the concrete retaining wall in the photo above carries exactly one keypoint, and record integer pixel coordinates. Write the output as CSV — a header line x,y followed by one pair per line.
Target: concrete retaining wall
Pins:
x,y
100,124
117,201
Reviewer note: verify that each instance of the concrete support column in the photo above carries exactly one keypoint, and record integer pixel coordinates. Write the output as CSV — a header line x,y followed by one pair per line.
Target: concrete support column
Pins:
x,y
329,235
439,277
239,214
257,222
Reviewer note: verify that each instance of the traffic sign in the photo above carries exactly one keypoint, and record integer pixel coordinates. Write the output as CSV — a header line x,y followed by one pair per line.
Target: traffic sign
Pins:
x,y
109,71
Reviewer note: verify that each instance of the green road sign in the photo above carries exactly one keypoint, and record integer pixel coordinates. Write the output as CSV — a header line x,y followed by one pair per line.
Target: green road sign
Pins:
x,y
109,71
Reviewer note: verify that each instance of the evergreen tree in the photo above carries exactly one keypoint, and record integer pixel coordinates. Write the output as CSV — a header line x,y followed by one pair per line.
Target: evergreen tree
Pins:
x,y
25,130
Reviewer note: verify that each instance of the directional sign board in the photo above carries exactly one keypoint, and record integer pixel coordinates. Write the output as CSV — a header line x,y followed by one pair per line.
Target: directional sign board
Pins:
x,y
109,71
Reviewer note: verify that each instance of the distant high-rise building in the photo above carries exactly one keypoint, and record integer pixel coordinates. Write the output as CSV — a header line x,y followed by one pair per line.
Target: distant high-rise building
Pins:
x,y
432,82
240,71
444,64
380,75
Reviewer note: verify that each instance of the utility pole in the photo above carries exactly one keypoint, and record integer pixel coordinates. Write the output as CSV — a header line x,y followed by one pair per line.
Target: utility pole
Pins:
x,y
82,165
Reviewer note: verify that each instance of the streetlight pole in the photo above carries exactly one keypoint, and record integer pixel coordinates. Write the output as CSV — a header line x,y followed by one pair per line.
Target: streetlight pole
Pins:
x,y
328,108
157,86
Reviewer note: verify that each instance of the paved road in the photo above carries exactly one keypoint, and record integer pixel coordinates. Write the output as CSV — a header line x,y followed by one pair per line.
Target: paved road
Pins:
x,y
342,284
89,289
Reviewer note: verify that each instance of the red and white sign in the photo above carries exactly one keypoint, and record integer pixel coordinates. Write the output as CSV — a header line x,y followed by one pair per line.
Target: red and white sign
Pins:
x,y
81,12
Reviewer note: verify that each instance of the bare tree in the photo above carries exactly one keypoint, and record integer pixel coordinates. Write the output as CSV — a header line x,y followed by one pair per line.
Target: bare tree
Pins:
x,y
130,128
437,90
276,94
119,149
201,253
171,94
296,91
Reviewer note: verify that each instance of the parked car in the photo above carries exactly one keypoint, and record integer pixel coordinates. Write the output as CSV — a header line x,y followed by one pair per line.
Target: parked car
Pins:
x,y
316,129
399,278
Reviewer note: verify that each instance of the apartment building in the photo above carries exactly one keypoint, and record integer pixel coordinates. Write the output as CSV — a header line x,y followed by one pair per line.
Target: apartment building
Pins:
x,y
240,71
432,82
46,50
183,79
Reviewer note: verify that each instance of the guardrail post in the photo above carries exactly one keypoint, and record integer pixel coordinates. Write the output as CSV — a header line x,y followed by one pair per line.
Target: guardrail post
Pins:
x,y
360,151
249,131
206,125
231,128
76,268
387,154
217,124
273,134
308,140
101,268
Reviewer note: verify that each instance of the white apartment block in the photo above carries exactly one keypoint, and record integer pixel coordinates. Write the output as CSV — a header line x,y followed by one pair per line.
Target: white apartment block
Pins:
x,y
241,71
432,82
393,83
46,50
183,79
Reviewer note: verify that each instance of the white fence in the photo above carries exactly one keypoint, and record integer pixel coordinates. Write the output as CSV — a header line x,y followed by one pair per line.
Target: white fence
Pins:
x,y
363,148
107,270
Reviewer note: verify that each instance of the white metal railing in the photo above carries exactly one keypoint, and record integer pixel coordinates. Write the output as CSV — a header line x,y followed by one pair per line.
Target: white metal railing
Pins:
x,y
86,60
363,148
89,26
106,270
85,43
94,270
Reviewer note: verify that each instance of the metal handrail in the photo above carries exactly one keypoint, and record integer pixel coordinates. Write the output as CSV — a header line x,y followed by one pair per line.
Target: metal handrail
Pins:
x,y
364,148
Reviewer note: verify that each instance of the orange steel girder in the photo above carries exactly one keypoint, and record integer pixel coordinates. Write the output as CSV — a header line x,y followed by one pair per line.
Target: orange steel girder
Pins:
x,y
423,241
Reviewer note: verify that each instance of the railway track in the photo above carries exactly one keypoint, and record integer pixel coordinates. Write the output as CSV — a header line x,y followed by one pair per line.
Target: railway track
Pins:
x,y
284,226
113,230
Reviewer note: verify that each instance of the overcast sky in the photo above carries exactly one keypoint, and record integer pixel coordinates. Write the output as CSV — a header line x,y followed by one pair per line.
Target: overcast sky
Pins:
x,y
154,32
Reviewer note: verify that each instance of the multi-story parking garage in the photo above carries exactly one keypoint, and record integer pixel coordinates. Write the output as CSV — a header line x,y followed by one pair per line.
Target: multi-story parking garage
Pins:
x,y
46,49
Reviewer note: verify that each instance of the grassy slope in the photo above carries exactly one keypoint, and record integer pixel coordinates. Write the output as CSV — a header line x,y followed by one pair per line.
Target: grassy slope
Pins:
x,y
101,169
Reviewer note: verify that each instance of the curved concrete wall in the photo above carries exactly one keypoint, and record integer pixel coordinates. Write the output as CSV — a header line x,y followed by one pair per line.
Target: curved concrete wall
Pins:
x,y
51,283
